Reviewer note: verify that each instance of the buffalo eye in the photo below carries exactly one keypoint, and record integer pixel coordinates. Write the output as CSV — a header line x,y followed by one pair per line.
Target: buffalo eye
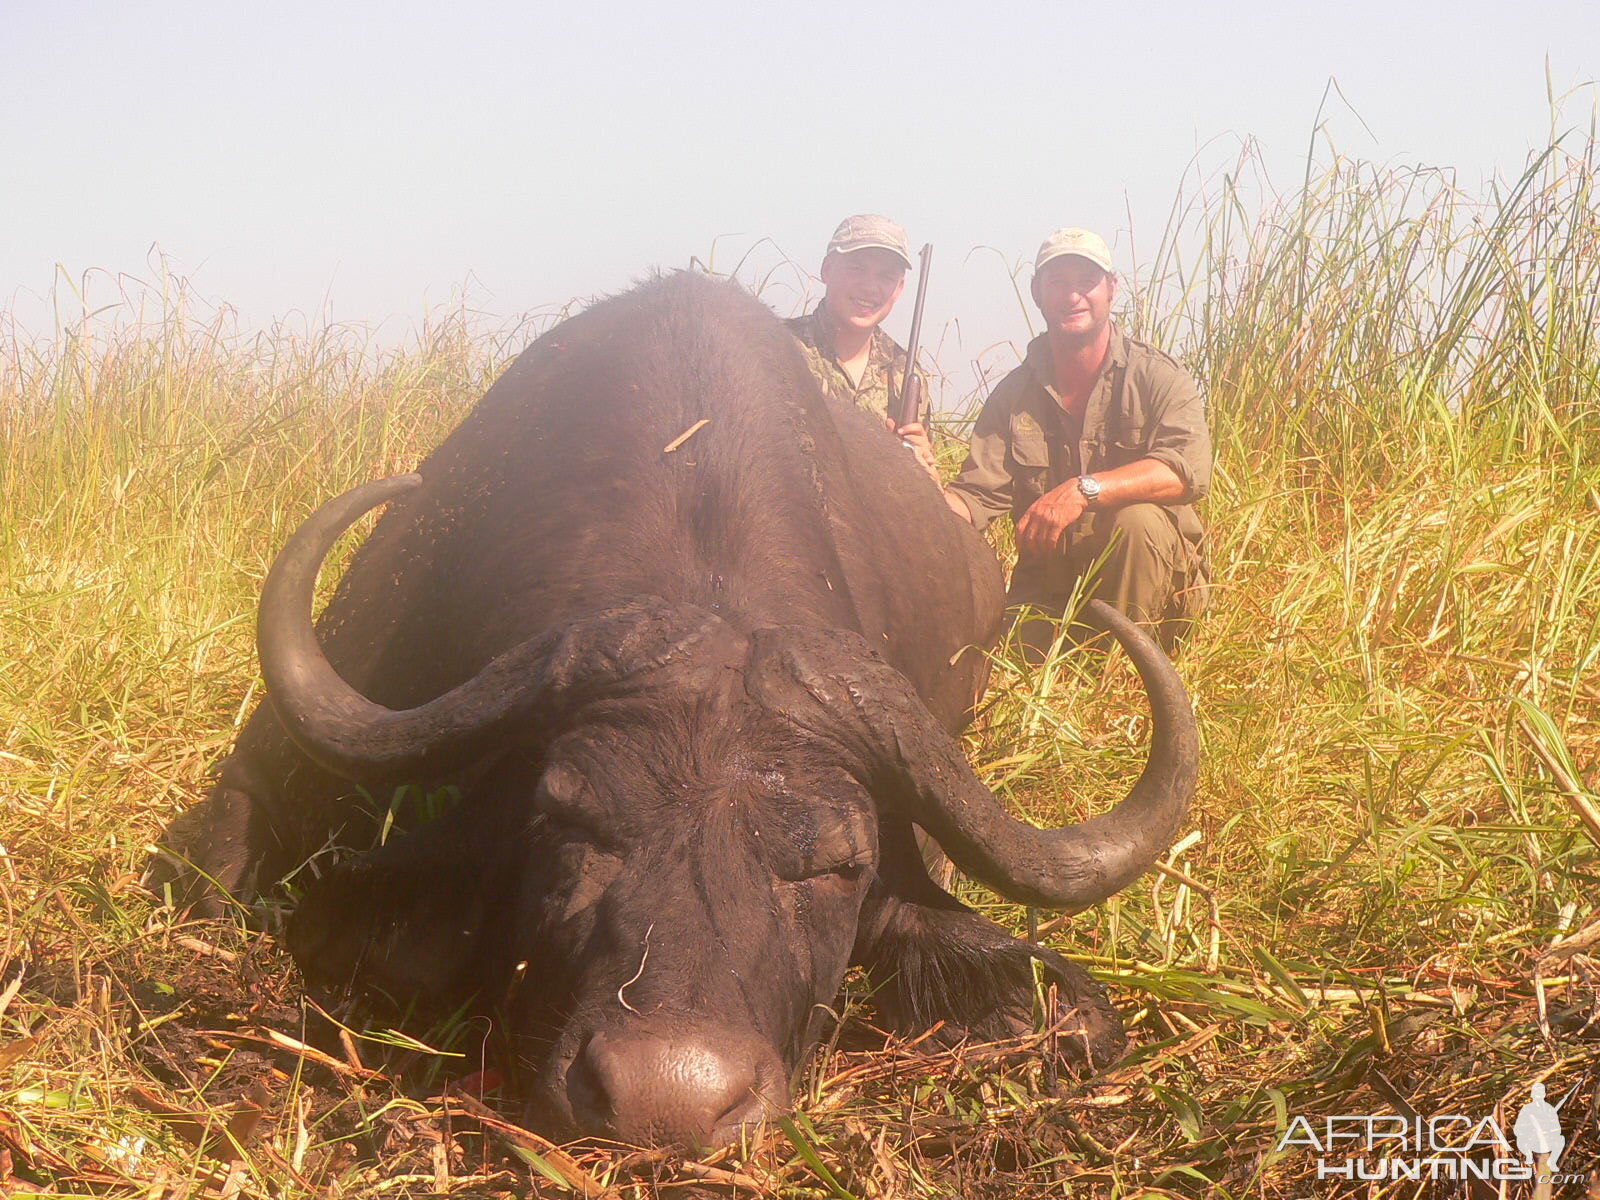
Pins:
x,y
843,854
847,872
565,797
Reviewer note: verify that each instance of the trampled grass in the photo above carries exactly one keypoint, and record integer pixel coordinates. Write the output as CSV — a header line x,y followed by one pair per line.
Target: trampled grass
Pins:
x,y
1385,902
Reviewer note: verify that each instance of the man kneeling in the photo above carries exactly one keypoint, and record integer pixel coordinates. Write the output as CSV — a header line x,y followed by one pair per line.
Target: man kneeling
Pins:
x,y
1097,445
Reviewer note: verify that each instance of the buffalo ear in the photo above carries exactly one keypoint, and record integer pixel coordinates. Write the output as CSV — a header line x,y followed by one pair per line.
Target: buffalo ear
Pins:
x,y
420,919
224,849
932,960
944,963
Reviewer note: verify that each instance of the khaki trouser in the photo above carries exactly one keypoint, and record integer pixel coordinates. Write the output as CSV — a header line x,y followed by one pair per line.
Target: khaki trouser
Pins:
x,y
1147,570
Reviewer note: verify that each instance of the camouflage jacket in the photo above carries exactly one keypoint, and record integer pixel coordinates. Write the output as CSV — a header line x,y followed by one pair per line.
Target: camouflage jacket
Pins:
x,y
1144,405
880,379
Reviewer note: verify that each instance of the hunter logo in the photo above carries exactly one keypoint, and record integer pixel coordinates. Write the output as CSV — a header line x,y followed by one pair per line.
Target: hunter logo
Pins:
x,y
1454,1146
1538,1127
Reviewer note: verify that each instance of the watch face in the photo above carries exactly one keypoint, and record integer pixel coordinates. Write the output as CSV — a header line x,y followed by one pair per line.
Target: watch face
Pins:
x,y
1089,486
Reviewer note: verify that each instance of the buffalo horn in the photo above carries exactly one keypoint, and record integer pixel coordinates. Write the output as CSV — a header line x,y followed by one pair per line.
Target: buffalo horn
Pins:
x,y
361,739
843,691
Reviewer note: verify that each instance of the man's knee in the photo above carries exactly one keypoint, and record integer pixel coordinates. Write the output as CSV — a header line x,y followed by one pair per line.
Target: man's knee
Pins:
x,y
1134,558
1145,530
1140,556
1138,542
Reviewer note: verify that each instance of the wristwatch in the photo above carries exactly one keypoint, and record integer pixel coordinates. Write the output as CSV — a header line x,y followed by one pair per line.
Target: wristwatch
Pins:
x,y
1090,487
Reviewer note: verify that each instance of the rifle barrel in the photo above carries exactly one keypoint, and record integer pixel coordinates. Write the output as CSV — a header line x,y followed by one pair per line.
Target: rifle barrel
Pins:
x,y
910,399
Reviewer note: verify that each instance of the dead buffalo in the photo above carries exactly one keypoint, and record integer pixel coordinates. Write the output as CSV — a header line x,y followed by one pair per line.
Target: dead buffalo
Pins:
x,y
697,692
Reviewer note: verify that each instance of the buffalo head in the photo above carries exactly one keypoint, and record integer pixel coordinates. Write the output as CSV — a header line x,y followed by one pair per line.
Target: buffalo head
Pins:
x,y
680,835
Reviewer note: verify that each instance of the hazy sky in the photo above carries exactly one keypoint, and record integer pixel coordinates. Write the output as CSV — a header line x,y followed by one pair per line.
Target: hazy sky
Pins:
x,y
364,160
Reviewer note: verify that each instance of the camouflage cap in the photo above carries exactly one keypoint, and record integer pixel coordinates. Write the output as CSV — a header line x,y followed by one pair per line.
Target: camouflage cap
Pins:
x,y
1075,241
868,231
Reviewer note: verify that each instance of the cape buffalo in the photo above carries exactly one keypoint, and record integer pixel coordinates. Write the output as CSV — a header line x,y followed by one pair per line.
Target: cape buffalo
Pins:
x,y
697,691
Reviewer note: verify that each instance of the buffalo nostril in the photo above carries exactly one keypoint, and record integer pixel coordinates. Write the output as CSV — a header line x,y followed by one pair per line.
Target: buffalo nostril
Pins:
x,y
586,1093
669,1090
745,1111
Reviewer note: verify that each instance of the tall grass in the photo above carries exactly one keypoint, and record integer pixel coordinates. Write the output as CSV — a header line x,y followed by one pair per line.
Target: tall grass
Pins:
x,y
1386,892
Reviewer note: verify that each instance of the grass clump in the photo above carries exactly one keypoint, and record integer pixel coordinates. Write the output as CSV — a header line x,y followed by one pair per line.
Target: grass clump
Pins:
x,y
1386,900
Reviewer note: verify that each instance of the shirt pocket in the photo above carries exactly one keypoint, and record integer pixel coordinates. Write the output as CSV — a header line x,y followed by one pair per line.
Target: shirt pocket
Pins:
x,y
1028,457
1128,414
1120,451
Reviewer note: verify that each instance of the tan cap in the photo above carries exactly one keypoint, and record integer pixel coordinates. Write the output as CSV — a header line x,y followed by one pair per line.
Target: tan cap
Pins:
x,y
868,231
1075,241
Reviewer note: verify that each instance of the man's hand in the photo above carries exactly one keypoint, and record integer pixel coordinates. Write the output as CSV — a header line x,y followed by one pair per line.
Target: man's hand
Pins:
x,y
959,506
1052,514
915,436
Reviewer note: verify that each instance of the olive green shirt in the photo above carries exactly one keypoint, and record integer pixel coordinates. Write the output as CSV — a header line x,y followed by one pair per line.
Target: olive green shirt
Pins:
x,y
1144,405
880,378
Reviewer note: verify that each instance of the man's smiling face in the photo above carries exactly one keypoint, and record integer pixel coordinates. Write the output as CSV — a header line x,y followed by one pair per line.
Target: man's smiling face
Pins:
x,y
1074,295
862,286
